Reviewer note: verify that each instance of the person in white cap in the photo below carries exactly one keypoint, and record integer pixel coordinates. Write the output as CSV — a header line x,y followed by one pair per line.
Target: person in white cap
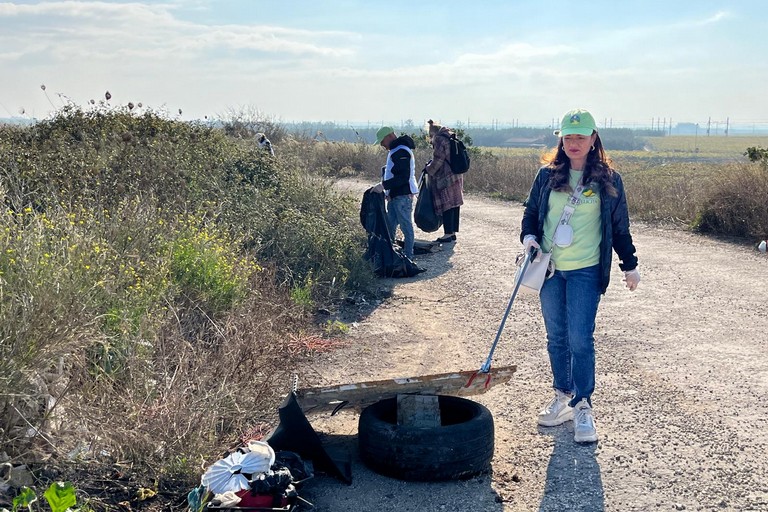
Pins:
x,y
398,182
577,211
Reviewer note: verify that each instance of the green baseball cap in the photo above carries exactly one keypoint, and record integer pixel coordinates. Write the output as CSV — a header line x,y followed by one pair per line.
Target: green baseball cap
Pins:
x,y
577,122
383,132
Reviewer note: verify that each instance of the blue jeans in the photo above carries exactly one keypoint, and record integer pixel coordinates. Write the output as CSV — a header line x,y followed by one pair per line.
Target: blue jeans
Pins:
x,y
400,213
569,301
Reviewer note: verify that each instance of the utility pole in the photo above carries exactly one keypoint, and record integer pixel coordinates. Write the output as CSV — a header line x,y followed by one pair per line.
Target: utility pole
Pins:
x,y
696,139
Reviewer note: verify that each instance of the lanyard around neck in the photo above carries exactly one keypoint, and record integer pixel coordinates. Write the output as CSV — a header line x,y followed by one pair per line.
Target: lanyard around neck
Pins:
x,y
571,204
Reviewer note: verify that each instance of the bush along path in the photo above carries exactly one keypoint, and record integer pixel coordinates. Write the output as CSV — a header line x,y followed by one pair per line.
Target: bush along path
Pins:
x,y
679,404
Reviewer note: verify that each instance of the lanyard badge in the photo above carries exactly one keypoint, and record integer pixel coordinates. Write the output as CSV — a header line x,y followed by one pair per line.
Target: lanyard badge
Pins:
x,y
563,236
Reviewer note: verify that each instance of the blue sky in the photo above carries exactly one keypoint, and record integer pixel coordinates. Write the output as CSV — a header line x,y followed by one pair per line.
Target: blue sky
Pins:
x,y
510,61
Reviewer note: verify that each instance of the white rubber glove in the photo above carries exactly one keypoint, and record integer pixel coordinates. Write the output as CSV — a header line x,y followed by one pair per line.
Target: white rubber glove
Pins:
x,y
530,241
631,279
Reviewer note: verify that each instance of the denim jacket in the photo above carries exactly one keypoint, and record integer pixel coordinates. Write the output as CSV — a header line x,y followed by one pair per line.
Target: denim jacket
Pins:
x,y
614,219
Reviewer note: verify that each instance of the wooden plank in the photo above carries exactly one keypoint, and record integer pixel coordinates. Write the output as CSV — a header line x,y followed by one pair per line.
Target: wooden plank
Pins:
x,y
362,394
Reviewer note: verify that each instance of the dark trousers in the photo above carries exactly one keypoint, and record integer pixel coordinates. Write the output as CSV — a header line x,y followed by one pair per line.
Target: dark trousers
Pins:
x,y
451,220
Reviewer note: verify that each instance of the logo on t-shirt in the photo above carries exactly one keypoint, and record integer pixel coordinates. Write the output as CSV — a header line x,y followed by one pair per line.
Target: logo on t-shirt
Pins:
x,y
590,191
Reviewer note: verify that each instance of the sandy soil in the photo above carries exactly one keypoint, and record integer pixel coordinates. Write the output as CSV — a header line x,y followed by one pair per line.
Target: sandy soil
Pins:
x,y
682,379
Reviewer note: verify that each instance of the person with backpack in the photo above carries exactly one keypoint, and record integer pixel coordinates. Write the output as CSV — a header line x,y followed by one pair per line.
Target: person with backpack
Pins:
x,y
448,190
398,182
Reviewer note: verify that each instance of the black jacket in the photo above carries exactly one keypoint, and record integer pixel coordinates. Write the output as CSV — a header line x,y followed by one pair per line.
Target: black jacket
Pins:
x,y
614,218
399,185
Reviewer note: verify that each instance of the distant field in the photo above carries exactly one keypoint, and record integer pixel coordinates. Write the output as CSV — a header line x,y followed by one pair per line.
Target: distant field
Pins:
x,y
673,148
707,146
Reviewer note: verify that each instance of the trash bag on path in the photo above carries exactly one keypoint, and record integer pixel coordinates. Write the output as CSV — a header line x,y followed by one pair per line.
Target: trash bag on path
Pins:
x,y
387,259
424,215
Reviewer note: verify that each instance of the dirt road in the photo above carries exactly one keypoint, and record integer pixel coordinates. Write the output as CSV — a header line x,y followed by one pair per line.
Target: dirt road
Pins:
x,y
682,379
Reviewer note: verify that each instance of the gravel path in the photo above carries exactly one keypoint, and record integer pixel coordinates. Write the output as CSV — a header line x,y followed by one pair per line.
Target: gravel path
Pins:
x,y
682,378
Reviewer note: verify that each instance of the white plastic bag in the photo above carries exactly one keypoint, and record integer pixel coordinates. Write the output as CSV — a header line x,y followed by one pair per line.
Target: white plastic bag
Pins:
x,y
538,270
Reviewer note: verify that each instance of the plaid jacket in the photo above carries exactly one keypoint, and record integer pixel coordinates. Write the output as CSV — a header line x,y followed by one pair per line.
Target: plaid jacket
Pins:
x,y
448,191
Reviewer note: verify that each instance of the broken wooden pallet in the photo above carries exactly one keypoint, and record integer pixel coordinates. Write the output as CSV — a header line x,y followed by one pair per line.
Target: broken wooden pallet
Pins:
x,y
362,394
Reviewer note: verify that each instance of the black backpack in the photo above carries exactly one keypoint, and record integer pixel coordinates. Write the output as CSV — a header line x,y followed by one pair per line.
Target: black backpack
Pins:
x,y
459,158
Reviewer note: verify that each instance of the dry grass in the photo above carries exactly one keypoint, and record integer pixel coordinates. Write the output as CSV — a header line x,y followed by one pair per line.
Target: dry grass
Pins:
x,y
505,175
668,182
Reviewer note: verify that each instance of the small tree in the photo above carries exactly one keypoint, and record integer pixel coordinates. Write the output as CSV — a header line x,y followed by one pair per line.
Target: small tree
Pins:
x,y
758,154
246,121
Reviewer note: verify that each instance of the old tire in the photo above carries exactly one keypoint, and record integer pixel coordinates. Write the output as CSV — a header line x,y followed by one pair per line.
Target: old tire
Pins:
x,y
461,447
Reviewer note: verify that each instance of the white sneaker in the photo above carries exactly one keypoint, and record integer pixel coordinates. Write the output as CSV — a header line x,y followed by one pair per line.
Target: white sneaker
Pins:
x,y
557,411
584,423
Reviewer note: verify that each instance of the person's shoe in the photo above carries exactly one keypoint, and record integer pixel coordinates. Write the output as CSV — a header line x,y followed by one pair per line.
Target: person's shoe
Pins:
x,y
445,239
584,423
557,411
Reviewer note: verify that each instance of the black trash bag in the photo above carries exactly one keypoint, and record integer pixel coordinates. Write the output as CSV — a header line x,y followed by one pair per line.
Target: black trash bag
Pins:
x,y
387,259
274,482
424,215
422,246
295,434
300,469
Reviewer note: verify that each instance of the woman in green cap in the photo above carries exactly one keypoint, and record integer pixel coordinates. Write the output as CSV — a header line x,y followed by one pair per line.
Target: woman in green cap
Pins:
x,y
576,210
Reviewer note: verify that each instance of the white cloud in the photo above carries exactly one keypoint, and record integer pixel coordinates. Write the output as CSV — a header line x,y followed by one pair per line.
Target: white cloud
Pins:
x,y
715,18
71,29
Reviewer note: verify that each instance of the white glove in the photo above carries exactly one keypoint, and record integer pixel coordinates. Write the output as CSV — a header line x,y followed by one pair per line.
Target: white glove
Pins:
x,y
378,188
631,279
530,241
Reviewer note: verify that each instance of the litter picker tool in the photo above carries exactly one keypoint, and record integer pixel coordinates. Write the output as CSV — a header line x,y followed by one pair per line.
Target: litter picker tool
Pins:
x,y
486,367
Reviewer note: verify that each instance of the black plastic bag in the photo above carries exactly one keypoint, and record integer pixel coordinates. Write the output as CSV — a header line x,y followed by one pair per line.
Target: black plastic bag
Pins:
x,y
424,215
387,259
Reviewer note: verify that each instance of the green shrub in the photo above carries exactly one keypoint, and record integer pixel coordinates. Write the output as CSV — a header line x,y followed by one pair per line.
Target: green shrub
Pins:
x,y
736,204
204,267
757,154
301,294
322,238
101,156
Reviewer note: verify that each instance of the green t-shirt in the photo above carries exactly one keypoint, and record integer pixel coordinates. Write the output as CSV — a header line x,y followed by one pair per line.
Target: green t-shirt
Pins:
x,y
584,250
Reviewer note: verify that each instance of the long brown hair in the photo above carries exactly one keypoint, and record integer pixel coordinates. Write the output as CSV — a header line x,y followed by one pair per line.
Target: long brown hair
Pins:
x,y
597,169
